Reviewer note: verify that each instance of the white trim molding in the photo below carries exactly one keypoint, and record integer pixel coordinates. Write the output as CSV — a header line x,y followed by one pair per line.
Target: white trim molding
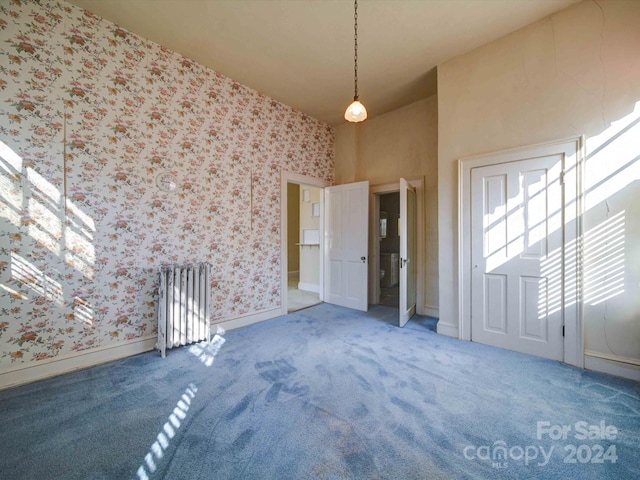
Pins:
x,y
447,330
309,287
613,365
245,320
431,311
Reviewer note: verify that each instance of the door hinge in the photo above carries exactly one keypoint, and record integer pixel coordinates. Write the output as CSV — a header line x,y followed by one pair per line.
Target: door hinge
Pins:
x,y
563,330
562,174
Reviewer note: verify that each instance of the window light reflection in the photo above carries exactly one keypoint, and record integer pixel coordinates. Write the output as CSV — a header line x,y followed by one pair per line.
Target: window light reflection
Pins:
x,y
169,430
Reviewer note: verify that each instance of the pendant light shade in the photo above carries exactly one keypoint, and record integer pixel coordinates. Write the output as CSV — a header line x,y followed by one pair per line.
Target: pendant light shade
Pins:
x,y
356,111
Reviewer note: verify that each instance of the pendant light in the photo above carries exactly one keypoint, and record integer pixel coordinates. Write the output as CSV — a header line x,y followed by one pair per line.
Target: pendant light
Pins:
x,y
356,111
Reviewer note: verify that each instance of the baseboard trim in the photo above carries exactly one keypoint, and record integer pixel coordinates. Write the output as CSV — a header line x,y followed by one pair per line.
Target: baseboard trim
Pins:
x,y
32,372
27,373
245,320
613,365
448,330
431,311
309,287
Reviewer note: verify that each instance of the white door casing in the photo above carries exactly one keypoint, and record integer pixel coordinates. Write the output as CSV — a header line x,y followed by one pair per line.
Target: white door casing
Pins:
x,y
408,257
525,249
346,245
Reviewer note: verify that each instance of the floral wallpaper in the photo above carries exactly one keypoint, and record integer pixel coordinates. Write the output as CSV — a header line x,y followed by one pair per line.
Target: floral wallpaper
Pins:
x,y
90,115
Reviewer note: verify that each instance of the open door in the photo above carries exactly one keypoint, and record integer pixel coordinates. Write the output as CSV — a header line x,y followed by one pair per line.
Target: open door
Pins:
x,y
346,244
408,263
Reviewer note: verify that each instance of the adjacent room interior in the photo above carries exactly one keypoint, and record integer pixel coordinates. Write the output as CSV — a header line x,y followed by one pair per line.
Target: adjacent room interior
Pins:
x,y
389,249
303,246
381,298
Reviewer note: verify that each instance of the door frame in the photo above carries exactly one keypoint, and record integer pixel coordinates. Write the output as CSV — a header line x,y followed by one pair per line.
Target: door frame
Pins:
x,y
571,178
374,245
407,254
303,180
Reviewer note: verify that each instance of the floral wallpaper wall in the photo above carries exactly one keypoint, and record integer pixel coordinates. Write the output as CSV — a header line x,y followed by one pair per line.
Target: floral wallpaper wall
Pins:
x,y
90,115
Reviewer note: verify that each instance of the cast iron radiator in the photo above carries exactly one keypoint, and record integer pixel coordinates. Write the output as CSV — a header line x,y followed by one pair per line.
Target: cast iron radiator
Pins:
x,y
183,310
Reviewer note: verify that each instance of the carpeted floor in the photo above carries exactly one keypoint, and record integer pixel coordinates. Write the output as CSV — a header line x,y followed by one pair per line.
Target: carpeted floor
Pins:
x,y
325,393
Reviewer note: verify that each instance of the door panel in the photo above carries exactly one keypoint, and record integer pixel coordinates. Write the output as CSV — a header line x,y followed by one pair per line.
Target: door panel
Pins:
x,y
516,211
408,263
532,289
347,244
495,303
335,272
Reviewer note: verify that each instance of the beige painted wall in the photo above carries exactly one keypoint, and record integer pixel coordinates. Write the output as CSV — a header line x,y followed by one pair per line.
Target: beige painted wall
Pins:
x,y
401,143
574,73
293,227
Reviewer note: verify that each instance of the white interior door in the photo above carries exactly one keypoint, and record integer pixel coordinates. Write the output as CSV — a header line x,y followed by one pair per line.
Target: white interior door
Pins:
x,y
517,257
346,244
408,262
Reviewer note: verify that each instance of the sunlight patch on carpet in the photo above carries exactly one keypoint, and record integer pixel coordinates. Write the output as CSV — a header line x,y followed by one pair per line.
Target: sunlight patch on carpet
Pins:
x,y
156,452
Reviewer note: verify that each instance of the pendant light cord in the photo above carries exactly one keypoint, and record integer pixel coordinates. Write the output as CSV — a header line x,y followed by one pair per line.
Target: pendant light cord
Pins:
x,y
355,111
355,55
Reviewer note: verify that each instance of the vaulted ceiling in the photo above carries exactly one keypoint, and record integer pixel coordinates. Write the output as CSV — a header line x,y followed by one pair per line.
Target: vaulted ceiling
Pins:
x,y
300,52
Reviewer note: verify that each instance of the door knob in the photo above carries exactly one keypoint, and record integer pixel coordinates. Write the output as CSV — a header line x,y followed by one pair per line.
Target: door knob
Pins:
x,y
364,259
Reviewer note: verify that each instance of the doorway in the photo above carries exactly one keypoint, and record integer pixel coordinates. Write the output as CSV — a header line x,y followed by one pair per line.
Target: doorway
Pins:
x,y
301,241
389,249
397,247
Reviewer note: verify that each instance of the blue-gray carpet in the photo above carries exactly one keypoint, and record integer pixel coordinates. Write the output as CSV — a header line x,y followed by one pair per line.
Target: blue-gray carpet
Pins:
x,y
325,393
